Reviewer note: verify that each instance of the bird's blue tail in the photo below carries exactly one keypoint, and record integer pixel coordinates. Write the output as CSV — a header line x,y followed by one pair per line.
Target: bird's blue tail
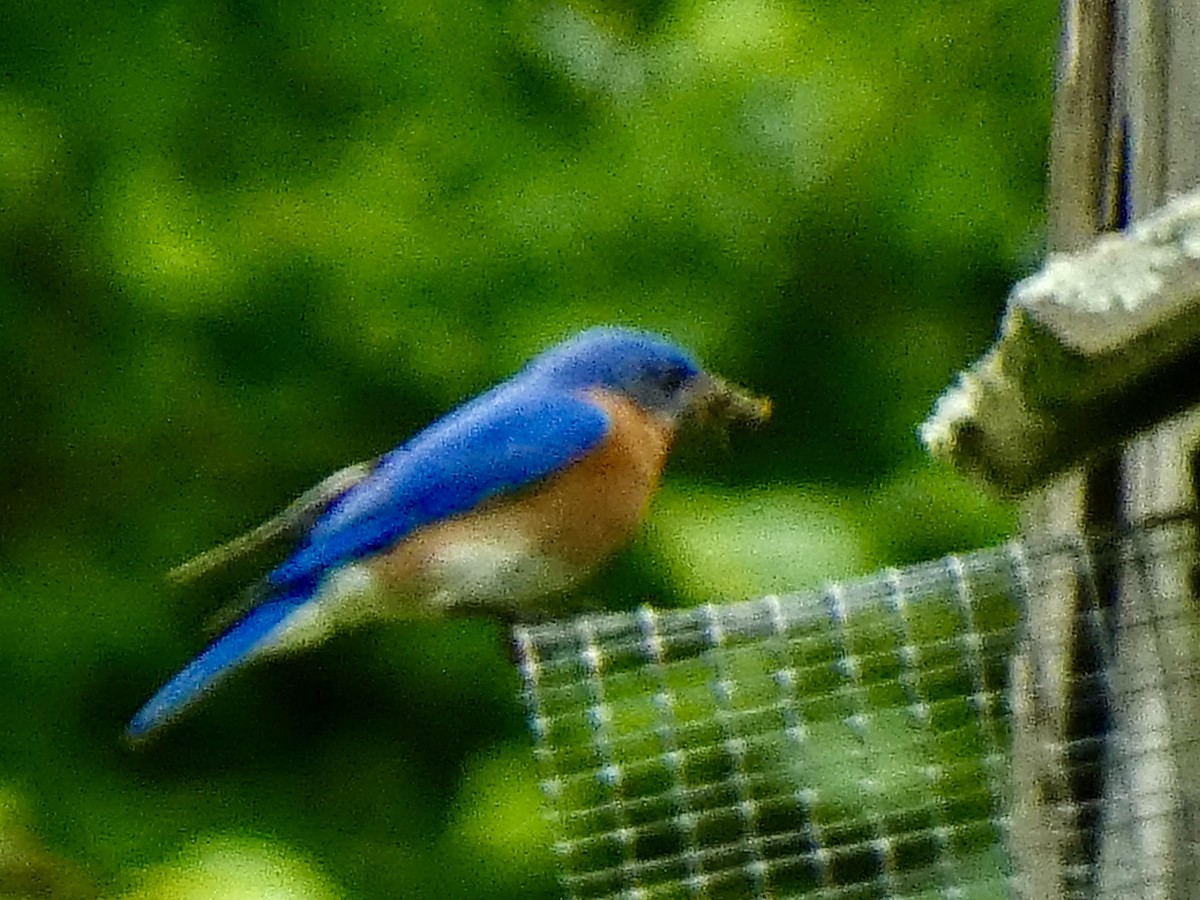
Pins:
x,y
239,643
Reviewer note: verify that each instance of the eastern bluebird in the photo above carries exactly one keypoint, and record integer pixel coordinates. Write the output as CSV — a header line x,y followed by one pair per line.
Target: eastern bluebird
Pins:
x,y
507,501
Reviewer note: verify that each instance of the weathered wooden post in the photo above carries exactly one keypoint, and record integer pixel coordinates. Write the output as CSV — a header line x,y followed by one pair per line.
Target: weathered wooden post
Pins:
x,y
1126,139
1106,759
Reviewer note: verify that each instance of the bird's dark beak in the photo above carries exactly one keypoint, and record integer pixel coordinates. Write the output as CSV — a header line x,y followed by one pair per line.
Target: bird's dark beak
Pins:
x,y
715,401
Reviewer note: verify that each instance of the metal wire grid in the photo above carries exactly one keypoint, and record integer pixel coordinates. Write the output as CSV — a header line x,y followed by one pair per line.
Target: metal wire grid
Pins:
x,y
1152,751
849,742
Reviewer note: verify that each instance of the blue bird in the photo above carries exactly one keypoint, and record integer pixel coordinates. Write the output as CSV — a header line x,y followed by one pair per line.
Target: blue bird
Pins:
x,y
506,502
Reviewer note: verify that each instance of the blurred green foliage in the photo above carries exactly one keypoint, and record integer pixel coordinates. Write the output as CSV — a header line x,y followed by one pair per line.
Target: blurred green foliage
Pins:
x,y
244,243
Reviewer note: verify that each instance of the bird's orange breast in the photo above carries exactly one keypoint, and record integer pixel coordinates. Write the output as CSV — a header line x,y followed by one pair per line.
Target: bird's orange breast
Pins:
x,y
569,521
592,507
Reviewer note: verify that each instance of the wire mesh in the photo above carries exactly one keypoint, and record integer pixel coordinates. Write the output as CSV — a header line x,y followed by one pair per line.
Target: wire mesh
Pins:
x,y
849,742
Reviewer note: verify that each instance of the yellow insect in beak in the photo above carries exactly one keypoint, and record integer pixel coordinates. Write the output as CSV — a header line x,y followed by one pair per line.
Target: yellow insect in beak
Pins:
x,y
717,402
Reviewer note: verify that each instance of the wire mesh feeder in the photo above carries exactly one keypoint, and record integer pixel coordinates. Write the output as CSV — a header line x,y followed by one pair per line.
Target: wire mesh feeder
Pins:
x,y
848,742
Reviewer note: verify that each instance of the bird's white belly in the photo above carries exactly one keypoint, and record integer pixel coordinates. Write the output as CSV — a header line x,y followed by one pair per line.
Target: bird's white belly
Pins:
x,y
486,573
495,575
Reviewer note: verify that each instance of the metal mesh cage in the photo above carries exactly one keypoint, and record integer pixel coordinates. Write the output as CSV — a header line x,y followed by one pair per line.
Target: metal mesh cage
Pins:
x,y
847,742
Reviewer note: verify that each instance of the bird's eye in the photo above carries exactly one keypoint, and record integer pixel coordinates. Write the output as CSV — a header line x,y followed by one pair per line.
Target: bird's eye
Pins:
x,y
673,379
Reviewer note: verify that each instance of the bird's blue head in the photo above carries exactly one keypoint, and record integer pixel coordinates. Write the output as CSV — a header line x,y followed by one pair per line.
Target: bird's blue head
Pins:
x,y
662,377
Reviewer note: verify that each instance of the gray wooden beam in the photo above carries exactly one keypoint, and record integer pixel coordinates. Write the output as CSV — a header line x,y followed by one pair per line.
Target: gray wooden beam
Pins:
x,y
1098,345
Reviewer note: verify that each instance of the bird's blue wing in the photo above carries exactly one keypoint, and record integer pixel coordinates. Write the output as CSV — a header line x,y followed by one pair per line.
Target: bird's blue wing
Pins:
x,y
502,441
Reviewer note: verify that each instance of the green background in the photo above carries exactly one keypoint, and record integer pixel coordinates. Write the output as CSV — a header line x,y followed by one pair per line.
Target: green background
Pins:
x,y
243,244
